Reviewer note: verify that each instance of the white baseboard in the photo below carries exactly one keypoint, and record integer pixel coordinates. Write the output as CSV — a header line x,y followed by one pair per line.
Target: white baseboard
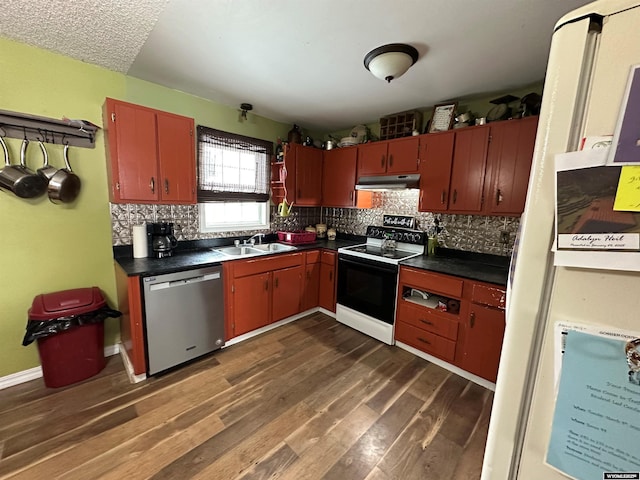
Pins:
x,y
128,366
447,366
36,372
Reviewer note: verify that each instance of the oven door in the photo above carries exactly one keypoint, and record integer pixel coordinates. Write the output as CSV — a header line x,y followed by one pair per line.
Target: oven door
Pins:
x,y
367,286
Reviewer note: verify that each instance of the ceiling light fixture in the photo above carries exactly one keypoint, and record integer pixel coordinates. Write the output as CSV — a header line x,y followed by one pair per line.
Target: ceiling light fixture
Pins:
x,y
390,61
244,108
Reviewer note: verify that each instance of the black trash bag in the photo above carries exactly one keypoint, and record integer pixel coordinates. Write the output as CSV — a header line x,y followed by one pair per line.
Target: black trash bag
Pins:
x,y
41,329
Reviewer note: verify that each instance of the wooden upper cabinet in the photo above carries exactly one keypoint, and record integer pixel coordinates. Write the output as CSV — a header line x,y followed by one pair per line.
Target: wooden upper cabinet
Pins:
x,y
403,155
467,175
388,157
339,177
151,155
304,175
508,165
436,160
176,155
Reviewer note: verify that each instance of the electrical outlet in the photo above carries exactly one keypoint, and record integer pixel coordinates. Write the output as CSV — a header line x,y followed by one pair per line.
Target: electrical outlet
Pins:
x,y
504,237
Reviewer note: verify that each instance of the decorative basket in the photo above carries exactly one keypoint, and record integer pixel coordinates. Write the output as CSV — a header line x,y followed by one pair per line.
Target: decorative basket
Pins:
x,y
296,238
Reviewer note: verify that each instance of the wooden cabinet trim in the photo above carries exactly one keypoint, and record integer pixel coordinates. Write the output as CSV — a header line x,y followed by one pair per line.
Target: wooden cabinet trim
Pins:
x,y
252,266
432,282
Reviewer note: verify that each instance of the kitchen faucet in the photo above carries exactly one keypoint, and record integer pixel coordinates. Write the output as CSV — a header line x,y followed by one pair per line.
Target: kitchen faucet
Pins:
x,y
252,239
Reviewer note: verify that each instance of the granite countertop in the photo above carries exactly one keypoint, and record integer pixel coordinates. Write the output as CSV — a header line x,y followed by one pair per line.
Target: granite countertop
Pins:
x,y
475,266
199,253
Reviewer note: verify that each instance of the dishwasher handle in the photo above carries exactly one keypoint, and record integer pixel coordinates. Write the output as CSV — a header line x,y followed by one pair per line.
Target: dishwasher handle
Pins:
x,y
185,281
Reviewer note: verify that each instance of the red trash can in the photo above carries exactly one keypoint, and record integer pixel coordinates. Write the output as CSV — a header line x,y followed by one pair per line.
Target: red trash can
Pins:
x,y
74,354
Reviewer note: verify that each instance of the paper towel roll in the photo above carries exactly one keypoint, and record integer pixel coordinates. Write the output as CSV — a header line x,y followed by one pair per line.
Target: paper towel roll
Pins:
x,y
139,241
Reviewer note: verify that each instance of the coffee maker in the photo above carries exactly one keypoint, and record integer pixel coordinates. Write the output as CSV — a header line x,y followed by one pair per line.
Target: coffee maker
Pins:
x,y
161,240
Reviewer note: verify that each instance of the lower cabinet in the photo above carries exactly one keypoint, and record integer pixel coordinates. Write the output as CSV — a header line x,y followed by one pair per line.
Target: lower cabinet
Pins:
x,y
327,298
457,320
260,291
311,284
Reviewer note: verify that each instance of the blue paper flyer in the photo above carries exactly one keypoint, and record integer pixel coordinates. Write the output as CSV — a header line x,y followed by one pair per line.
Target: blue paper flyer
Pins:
x,y
596,423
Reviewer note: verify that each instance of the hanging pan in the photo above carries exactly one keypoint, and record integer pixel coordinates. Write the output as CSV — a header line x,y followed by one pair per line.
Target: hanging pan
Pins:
x,y
64,185
18,178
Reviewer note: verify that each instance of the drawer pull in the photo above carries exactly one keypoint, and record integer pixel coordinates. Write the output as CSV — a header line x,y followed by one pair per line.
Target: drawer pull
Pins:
x,y
426,322
472,319
424,340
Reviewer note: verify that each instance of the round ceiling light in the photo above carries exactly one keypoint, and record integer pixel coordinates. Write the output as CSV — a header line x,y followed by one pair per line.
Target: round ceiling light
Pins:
x,y
390,61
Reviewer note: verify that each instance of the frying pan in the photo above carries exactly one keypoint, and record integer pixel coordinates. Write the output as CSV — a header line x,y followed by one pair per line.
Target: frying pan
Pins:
x,y
64,185
18,178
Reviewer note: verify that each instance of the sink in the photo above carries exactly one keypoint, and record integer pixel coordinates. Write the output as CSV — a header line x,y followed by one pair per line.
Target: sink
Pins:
x,y
242,251
274,247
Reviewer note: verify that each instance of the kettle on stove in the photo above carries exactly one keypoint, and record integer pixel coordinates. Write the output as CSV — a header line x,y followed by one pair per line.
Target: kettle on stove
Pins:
x,y
162,239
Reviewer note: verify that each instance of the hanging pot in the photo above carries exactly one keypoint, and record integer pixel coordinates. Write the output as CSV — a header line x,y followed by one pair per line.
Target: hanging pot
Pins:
x,y
64,186
18,178
47,171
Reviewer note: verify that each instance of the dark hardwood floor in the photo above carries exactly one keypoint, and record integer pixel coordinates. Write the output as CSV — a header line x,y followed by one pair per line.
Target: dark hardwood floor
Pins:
x,y
311,399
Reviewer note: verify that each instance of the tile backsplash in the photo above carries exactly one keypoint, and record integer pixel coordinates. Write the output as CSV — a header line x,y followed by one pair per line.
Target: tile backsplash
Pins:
x,y
463,232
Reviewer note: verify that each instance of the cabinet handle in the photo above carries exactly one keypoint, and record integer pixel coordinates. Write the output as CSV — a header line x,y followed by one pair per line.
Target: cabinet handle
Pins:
x,y
498,197
455,195
152,185
351,195
442,195
382,161
391,160
424,340
331,275
426,322
166,186
276,282
472,319
266,284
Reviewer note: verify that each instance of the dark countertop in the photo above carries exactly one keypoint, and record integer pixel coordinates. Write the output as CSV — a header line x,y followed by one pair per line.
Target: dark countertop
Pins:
x,y
197,254
474,266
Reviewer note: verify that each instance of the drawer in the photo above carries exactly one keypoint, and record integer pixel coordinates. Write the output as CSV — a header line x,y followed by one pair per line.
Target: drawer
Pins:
x,y
488,295
242,268
427,319
427,342
432,282
328,257
313,256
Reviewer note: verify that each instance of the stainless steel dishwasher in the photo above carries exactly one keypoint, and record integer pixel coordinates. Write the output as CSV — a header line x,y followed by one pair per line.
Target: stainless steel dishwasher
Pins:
x,y
184,316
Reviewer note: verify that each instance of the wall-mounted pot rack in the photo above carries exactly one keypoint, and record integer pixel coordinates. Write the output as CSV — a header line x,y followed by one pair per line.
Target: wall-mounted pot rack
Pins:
x,y
77,133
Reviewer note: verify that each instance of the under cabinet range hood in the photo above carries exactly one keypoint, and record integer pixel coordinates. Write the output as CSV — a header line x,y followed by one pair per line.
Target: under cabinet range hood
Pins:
x,y
388,182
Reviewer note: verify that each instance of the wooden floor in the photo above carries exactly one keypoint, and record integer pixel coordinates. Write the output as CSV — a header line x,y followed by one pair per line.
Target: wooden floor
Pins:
x,y
311,399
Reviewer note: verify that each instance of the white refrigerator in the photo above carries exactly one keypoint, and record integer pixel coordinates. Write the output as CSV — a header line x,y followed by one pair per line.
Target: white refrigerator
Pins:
x,y
592,51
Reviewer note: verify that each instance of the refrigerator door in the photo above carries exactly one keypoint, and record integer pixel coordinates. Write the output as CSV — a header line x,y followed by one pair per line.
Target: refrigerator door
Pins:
x,y
584,87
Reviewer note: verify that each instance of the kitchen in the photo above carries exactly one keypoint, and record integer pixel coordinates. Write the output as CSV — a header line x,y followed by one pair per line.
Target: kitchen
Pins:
x,y
83,235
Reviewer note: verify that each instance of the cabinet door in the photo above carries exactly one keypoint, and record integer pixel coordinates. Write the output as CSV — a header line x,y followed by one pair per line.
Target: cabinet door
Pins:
x,y
308,176
372,158
339,177
483,341
327,298
467,176
176,151
287,292
509,160
436,159
251,303
403,155
311,294
134,162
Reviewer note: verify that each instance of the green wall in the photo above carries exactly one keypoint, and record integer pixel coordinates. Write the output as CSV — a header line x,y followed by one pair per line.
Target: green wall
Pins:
x,y
47,247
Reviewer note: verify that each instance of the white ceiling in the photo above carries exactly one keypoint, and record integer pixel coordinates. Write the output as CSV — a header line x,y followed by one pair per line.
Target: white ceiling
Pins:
x,y
299,61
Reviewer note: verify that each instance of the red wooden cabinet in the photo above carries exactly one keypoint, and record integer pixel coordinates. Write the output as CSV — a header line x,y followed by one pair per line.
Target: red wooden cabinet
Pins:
x,y
468,172
311,291
327,298
339,177
251,303
508,165
287,292
483,341
436,159
304,174
388,157
151,155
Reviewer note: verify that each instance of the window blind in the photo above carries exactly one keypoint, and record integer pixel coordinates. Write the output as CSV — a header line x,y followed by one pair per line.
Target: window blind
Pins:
x,y
232,167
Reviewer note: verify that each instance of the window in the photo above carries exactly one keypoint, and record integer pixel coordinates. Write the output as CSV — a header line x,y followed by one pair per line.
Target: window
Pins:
x,y
233,181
